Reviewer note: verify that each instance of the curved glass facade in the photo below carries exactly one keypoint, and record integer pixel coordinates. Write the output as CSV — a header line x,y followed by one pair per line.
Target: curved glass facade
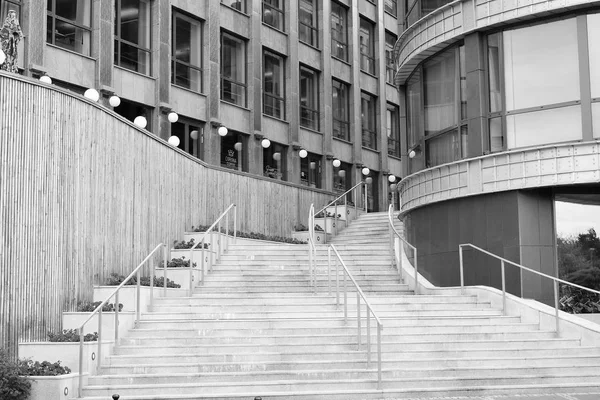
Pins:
x,y
528,86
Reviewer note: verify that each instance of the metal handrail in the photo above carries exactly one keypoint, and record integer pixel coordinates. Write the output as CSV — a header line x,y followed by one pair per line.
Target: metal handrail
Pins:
x,y
359,294
312,248
115,293
393,232
335,201
504,261
220,248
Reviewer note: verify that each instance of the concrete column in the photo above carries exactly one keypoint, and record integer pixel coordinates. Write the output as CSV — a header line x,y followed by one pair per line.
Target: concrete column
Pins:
x,y
33,24
292,96
254,52
212,141
326,98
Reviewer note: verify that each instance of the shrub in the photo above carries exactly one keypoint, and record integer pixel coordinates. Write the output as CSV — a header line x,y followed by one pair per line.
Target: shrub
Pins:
x,y
86,306
326,214
252,235
180,263
44,368
13,386
187,245
115,279
71,335
300,228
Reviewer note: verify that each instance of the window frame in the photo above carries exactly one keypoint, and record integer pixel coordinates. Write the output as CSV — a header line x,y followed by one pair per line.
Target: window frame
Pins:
x,y
280,12
393,131
174,62
119,40
313,111
242,7
277,98
344,124
317,175
369,123
281,172
53,16
390,63
367,59
5,6
193,147
391,7
233,82
313,28
335,43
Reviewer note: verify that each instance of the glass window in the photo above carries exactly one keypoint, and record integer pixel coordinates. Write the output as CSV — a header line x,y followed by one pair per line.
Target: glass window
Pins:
x,y
233,69
493,53
239,5
309,98
390,69
308,30
130,110
69,25
439,84
391,7
416,9
234,151
132,35
393,130
190,137
596,119
367,56
342,180
593,30
413,108
369,132
186,69
541,65
274,161
341,110
6,5
273,85
310,170
339,31
273,13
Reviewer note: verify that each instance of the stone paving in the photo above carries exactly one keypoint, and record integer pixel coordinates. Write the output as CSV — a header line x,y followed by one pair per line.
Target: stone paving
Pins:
x,y
549,396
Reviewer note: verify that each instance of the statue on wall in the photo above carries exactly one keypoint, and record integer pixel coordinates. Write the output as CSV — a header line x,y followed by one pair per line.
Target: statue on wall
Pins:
x,y
10,36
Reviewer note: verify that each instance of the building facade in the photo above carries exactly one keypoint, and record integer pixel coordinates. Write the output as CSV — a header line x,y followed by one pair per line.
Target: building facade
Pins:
x,y
309,75
500,118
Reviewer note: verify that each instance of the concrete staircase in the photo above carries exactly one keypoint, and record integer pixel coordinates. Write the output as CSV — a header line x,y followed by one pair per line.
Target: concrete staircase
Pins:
x,y
255,328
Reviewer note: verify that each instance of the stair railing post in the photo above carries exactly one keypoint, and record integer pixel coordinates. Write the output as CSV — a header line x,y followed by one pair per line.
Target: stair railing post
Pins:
x,y
226,233
366,198
117,319
335,219
556,291
152,273
503,287
329,271
219,240
368,337
212,243
202,264
358,319
347,216
165,256
392,252
138,297
416,270
345,297
462,273
99,352
234,223
337,283
378,356
400,254
191,275
80,362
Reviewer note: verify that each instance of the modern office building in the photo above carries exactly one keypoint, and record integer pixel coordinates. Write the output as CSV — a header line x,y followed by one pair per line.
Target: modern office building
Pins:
x,y
500,118
304,74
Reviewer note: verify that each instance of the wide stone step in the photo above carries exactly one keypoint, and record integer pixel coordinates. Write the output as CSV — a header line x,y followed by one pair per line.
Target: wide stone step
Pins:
x,y
439,367
265,387
347,338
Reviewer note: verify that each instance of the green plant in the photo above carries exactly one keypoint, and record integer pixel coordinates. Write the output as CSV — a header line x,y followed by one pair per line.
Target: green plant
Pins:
x,y
44,368
86,306
188,245
71,335
12,385
180,263
300,228
318,228
115,279
252,235
326,214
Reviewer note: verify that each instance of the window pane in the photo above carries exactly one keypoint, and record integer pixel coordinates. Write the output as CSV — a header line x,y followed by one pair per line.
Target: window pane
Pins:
x,y
135,22
187,52
495,95
367,60
78,11
274,161
339,35
70,37
390,41
413,107
310,170
443,149
367,107
593,26
541,65
543,127
393,130
273,13
273,81
309,92
496,138
596,119
307,27
133,58
233,70
340,110
439,81
239,5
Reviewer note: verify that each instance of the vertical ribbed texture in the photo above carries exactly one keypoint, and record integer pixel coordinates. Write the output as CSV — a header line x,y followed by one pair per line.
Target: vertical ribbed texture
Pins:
x,y
84,194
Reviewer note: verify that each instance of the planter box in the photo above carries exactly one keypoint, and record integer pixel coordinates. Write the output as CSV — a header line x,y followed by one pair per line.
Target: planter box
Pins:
x,y
68,353
209,259
182,275
303,236
61,387
346,212
127,295
217,239
73,320
328,224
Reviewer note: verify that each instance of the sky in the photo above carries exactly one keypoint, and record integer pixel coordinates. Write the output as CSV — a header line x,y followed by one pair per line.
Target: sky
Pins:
x,y
572,219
